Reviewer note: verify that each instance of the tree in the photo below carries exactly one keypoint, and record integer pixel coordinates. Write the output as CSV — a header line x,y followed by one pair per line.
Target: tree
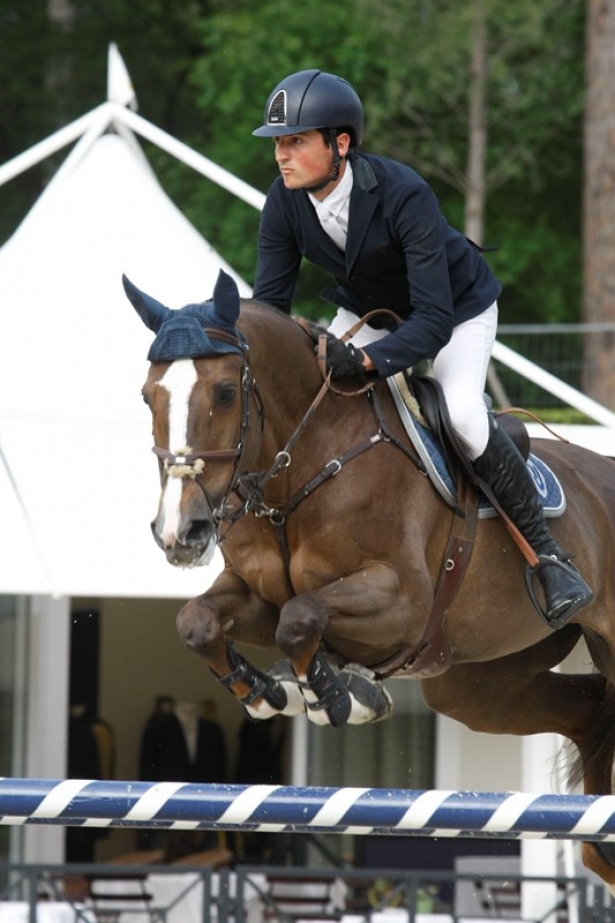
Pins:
x,y
24,47
485,99
599,200
476,171
53,59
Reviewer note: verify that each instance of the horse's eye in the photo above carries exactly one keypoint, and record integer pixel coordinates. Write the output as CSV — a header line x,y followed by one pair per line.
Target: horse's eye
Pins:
x,y
224,394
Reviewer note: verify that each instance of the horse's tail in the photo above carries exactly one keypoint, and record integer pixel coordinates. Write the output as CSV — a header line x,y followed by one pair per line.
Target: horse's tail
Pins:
x,y
593,765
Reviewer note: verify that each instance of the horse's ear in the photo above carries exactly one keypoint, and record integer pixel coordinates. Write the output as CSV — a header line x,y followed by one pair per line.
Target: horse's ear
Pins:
x,y
226,299
152,312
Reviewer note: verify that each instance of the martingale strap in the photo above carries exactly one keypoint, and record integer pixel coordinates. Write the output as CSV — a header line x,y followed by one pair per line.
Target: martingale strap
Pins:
x,y
432,655
252,492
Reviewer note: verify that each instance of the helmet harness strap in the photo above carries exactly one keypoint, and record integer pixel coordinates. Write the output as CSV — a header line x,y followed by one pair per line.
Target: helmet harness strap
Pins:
x,y
334,175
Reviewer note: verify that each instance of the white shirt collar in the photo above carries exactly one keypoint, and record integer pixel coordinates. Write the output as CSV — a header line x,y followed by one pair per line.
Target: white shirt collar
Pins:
x,y
338,197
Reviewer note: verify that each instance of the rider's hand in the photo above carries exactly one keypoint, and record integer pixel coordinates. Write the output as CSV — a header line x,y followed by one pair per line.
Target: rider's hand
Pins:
x,y
343,359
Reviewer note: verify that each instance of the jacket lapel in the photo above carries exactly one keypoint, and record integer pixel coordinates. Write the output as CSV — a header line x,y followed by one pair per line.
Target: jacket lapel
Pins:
x,y
362,207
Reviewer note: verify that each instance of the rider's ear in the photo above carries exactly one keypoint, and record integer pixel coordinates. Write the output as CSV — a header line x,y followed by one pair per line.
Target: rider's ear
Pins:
x,y
343,143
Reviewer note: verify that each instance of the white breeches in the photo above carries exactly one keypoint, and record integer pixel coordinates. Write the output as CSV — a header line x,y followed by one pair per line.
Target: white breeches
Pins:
x,y
460,368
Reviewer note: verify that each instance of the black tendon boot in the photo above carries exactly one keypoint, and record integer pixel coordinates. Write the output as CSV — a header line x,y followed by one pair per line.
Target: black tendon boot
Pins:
x,y
503,469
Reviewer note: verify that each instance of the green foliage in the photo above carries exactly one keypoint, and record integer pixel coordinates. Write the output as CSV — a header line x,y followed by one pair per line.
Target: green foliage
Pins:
x,y
24,100
54,71
411,65
203,70
534,53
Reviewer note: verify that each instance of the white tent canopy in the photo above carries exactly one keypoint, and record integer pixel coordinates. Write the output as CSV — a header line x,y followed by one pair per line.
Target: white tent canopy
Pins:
x,y
78,484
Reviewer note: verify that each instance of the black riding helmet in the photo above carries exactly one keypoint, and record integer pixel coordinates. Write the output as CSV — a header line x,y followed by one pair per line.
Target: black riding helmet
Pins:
x,y
312,99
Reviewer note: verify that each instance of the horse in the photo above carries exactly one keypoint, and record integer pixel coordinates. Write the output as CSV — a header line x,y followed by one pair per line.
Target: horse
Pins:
x,y
337,548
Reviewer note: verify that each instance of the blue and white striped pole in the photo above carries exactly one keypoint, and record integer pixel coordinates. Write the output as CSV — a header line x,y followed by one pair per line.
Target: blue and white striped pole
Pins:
x,y
279,808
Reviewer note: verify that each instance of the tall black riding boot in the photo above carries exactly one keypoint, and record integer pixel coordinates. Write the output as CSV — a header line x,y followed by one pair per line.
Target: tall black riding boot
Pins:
x,y
503,469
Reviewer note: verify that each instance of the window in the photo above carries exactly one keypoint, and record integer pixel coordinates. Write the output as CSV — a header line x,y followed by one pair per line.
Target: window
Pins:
x,y
396,753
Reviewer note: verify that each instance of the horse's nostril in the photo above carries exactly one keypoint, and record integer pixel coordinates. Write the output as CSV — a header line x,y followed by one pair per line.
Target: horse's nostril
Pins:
x,y
198,533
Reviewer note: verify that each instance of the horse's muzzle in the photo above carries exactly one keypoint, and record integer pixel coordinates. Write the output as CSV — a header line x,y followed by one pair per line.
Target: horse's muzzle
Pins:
x,y
193,546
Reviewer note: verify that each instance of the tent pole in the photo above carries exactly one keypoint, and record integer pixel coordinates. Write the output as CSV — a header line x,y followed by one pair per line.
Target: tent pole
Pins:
x,y
553,385
191,158
48,146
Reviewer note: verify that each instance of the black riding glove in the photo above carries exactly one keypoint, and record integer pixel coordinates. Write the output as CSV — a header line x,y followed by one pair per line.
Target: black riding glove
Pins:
x,y
343,359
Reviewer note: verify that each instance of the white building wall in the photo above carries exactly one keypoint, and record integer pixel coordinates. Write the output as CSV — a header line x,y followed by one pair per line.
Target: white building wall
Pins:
x,y
47,714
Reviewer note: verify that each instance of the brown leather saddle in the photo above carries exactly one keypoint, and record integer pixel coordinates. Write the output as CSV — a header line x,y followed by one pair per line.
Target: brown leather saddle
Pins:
x,y
430,399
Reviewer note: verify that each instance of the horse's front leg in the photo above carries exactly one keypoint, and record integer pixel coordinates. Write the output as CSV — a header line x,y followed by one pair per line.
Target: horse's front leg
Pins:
x,y
353,615
230,610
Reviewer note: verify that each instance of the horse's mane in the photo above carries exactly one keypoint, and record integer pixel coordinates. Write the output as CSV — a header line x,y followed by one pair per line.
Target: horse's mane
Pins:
x,y
263,324
260,309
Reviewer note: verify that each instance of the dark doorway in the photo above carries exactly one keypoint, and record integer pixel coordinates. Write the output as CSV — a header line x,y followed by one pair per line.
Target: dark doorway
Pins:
x,y
84,650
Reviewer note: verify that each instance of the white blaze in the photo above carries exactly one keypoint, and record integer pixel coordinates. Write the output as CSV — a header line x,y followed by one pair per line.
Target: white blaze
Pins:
x,y
179,380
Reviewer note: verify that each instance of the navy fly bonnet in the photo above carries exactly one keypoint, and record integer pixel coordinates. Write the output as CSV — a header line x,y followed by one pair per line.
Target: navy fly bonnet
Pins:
x,y
190,332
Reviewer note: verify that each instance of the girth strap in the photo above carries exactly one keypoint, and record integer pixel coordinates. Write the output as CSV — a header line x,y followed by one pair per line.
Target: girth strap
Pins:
x,y
432,655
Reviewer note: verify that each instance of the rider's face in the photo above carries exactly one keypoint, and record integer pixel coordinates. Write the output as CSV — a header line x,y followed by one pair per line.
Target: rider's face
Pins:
x,y
304,159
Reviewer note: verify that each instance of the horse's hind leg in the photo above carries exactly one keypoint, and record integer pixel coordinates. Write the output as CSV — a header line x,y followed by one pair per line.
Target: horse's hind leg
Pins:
x,y
597,771
595,767
228,610
521,695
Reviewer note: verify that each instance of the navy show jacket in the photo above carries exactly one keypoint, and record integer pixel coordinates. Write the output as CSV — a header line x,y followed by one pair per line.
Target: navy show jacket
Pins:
x,y
401,254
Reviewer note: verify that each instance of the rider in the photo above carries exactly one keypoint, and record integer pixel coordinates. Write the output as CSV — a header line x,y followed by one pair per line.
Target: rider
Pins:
x,y
375,225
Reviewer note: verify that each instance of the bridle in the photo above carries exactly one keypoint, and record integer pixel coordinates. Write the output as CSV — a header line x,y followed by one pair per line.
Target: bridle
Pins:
x,y
191,465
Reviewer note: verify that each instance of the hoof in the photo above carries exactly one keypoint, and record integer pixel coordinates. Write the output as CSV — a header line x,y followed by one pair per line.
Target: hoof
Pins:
x,y
266,695
326,696
370,700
